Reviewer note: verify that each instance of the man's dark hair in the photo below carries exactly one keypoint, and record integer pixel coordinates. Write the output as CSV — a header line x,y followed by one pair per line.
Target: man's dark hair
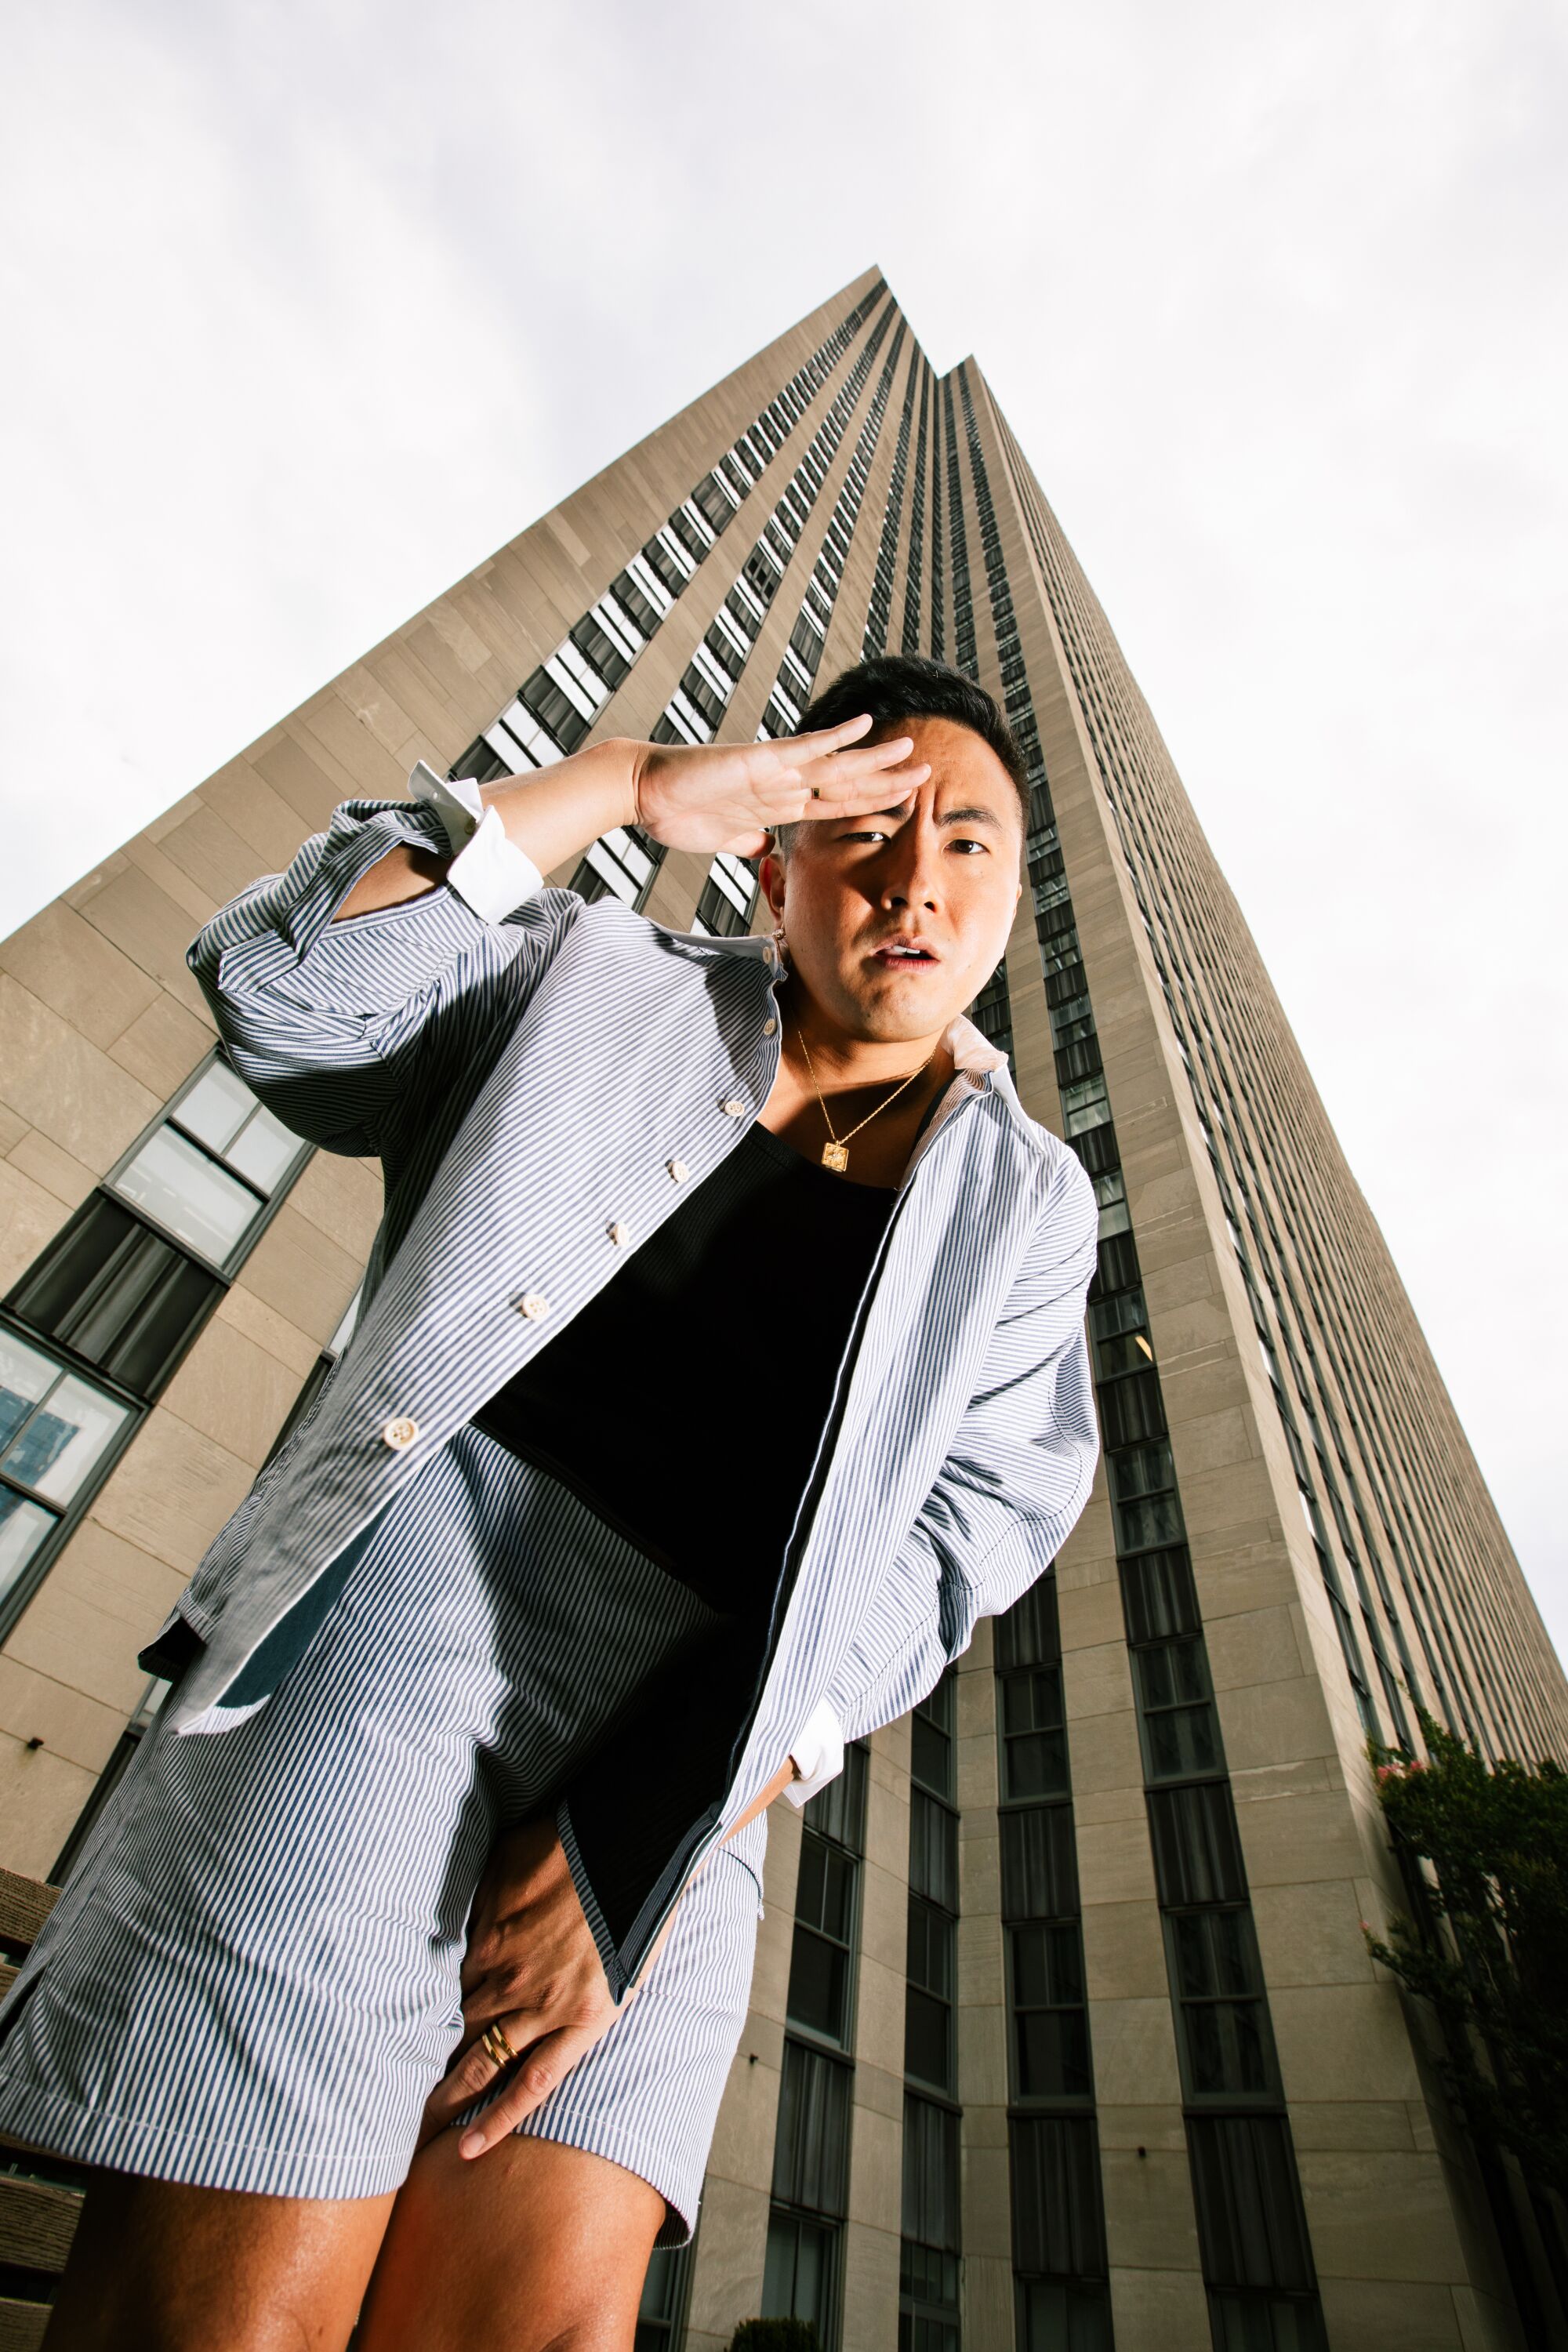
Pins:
x,y
895,687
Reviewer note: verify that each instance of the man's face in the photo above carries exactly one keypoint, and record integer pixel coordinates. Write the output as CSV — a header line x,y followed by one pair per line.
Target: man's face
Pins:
x,y
896,920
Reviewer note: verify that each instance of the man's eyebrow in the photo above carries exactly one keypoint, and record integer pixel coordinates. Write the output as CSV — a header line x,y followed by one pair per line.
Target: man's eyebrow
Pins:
x,y
976,815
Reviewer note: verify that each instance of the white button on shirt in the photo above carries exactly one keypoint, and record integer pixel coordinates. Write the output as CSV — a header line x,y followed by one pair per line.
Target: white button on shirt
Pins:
x,y
733,1108
534,1305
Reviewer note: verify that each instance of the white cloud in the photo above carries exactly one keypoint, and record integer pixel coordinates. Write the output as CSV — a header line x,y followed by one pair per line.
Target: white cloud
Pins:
x,y
320,304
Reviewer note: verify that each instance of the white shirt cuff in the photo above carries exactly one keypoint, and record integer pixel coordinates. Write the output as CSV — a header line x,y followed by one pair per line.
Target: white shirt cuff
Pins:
x,y
818,1754
488,870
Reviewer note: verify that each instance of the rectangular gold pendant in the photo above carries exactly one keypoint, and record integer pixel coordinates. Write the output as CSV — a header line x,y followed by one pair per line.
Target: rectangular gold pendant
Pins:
x,y
836,1155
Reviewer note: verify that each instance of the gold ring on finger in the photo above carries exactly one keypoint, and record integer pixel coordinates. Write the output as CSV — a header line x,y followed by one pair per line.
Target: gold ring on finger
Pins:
x,y
498,2048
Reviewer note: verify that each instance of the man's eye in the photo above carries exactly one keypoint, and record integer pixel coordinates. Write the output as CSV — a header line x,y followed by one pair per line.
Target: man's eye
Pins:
x,y
870,834
967,841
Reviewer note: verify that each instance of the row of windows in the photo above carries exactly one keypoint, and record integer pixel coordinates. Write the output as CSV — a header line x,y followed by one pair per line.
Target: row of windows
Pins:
x,y
938,630
95,1328
802,2276
797,671
929,2259
963,650
728,898
557,704
1217,1993
1396,1446
879,610
1058,2235
910,643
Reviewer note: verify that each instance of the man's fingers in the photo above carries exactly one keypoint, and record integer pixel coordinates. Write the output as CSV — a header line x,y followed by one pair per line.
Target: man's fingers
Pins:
x,y
805,754
547,2063
828,738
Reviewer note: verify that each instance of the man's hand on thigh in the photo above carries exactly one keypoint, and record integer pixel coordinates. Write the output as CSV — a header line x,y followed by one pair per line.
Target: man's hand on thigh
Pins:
x,y
533,1969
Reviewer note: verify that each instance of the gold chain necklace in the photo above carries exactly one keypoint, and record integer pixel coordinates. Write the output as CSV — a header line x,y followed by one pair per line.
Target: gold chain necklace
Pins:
x,y
836,1150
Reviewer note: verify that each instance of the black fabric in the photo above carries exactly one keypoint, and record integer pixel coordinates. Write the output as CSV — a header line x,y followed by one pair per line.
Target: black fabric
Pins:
x,y
643,1407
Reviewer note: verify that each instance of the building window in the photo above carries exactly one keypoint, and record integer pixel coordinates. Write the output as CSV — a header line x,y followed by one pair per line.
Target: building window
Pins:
x,y
810,2151
663,2305
811,2171
929,2262
60,1433
823,1945
97,1325
206,1173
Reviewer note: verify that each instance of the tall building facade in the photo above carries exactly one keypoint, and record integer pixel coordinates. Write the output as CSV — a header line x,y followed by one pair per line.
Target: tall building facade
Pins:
x,y
1063,2030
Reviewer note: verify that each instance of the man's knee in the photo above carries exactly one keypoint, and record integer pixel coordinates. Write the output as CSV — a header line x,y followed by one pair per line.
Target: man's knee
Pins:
x,y
163,2267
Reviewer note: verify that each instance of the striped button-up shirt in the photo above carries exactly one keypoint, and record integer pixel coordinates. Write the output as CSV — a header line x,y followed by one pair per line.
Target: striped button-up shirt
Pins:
x,y
540,1077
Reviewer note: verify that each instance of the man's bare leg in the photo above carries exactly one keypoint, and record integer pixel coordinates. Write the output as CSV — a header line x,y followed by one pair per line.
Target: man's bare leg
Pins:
x,y
530,2245
160,2267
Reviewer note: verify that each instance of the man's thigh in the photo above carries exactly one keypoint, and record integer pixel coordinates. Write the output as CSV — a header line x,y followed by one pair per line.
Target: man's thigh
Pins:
x,y
156,2266
533,2244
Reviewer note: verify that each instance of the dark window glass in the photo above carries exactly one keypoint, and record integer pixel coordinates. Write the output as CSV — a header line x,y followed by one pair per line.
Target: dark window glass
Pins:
x,y
642,612
1224,2019
554,709
1028,1634
1059,2228
930,2174
710,496
1251,2228
1131,1410
1051,2026
1181,1728
659,2312
1034,1737
666,568
1198,1855
596,647
824,1917
812,2147
931,1739
1266,2323
1157,1592
1057,2318
1039,1868
928,2014
818,1985
118,1294
799,2276
934,1851
838,1810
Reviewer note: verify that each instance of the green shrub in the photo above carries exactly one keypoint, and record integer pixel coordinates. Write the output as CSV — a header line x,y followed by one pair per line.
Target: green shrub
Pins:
x,y
775,2335
1487,1940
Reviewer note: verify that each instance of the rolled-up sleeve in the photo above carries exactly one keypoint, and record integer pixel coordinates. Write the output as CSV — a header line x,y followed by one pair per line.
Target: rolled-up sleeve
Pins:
x,y
323,1018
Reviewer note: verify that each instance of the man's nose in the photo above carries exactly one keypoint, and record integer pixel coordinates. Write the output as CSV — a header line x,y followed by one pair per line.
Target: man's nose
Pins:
x,y
914,873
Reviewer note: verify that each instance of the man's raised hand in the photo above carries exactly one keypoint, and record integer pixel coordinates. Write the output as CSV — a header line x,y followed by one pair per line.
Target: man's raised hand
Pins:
x,y
731,795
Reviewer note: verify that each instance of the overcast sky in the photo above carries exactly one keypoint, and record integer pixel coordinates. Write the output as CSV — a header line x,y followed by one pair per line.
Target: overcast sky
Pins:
x,y
313,307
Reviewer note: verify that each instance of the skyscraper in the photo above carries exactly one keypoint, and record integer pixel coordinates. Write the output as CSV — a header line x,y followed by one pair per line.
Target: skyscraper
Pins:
x,y
1063,2031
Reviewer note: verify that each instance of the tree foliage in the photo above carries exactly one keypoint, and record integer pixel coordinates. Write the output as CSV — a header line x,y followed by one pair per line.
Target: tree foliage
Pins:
x,y
1490,1953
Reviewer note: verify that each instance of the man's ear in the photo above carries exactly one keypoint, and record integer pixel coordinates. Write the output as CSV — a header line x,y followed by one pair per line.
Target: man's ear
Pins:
x,y
771,875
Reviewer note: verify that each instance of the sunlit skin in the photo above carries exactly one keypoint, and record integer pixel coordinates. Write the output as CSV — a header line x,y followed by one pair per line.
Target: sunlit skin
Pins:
x,y
939,867
909,832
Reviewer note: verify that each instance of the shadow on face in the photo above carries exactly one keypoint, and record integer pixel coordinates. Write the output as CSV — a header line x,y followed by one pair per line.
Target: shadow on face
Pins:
x,y
897,919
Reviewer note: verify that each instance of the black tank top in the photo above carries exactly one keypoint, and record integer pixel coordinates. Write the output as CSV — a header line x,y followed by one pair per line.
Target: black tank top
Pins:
x,y
684,1404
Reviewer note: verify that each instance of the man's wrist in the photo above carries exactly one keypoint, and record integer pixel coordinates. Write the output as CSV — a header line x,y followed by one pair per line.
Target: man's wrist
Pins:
x,y
554,813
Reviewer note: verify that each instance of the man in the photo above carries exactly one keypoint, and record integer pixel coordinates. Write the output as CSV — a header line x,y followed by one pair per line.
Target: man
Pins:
x,y
563,1579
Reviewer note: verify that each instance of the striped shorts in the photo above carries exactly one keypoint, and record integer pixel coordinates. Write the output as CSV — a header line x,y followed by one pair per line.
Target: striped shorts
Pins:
x,y
251,1980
